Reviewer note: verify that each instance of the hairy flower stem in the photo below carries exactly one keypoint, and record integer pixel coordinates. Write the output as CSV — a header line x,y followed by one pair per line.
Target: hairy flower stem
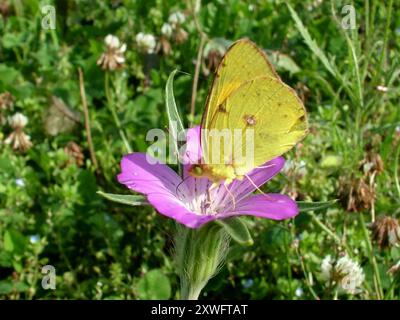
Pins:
x,y
110,106
199,255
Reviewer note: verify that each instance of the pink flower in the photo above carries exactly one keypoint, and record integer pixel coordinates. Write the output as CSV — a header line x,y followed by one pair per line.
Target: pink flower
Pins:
x,y
191,201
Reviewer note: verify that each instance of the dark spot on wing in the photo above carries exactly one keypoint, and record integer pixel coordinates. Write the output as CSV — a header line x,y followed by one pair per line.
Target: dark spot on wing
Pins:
x,y
222,108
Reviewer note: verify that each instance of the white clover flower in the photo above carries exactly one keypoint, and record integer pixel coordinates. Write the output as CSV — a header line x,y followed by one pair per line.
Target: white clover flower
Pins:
x,y
18,120
353,275
146,42
18,139
113,58
112,41
166,30
176,18
294,167
346,273
382,88
288,166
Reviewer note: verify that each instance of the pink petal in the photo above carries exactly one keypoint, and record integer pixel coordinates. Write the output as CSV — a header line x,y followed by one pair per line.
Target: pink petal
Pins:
x,y
193,154
149,178
259,176
163,187
193,151
272,206
241,189
173,208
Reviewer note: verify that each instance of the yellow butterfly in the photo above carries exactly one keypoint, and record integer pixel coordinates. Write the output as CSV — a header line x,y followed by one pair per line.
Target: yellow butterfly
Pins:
x,y
247,96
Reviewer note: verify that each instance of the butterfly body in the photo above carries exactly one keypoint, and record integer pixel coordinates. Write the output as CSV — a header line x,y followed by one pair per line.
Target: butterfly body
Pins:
x,y
216,174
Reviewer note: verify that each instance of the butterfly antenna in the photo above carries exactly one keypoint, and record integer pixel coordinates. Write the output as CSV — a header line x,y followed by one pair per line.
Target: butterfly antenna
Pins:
x,y
255,186
179,184
231,195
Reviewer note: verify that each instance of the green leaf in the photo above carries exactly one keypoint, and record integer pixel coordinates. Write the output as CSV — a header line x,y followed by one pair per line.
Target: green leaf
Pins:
x,y
14,242
276,237
87,185
5,259
7,286
314,206
11,40
8,76
154,286
132,200
237,229
310,42
174,120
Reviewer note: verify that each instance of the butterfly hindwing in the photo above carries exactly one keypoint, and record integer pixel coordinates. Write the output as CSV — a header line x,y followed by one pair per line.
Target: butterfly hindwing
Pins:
x,y
274,113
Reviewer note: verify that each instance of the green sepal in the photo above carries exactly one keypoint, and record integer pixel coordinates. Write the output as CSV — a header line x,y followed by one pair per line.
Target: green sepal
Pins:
x,y
314,206
237,230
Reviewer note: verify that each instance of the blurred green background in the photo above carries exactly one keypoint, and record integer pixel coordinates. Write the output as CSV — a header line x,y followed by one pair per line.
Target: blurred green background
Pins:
x,y
50,212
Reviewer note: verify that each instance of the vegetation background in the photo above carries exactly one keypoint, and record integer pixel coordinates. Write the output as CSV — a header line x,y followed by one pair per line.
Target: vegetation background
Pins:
x,y
50,212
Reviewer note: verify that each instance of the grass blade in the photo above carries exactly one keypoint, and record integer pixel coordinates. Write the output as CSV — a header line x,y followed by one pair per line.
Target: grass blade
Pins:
x,y
311,43
132,200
